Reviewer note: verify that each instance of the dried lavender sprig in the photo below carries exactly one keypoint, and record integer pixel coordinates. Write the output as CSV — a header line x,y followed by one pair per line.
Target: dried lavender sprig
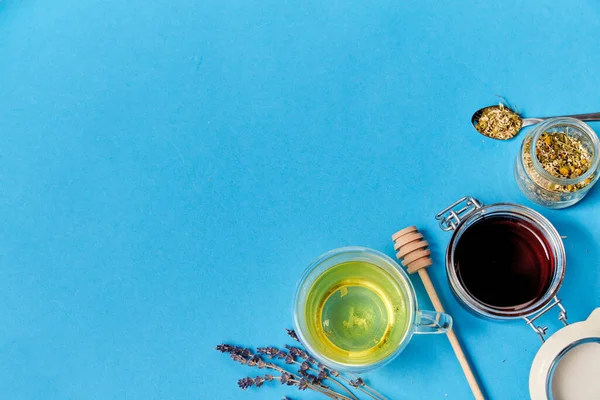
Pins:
x,y
307,365
246,357
332,372
295,351
241,355
371,395
286,379
322,375
314,380
304,384
359,383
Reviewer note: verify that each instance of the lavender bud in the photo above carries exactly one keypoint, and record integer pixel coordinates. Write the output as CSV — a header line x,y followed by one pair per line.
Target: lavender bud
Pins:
x,y
322,375
292,334
309,377
245,383
238,358
297,352
246,353
223,348
268,351
303,384
258,381
285,378
237,350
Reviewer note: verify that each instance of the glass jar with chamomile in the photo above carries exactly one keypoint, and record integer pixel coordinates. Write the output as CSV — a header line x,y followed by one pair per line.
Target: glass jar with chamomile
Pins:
x,y
558,162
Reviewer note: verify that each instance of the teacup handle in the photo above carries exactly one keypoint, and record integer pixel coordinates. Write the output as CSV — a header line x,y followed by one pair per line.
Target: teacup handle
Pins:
x,y
432,322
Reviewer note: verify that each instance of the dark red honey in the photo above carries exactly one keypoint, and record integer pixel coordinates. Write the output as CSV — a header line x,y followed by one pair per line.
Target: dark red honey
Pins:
x,y
504,262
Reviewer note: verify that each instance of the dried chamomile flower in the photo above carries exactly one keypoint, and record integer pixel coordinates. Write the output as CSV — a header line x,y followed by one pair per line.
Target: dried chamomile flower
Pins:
x,y
499,122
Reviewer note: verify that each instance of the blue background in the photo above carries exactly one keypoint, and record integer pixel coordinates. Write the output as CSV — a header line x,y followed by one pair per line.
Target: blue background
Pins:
x,y
169,168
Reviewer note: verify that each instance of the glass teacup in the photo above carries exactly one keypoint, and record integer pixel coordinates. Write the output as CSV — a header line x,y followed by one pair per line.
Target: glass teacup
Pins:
x,y
355,309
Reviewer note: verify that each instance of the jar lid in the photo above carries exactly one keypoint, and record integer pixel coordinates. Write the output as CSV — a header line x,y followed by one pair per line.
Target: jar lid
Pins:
x,y
567,366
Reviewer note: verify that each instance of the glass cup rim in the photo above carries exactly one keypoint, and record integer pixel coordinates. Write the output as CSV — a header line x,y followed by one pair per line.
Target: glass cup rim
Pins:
x,y
516,211
564,121
373,256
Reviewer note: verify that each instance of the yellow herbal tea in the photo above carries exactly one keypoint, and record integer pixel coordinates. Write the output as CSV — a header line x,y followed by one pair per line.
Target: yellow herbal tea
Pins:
x,y
356,313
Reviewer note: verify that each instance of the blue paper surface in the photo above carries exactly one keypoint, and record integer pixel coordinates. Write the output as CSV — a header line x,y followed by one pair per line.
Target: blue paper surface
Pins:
x,y
169,168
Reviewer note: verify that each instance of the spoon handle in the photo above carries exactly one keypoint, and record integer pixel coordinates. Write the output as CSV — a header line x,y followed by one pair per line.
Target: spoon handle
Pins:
x,y
582,117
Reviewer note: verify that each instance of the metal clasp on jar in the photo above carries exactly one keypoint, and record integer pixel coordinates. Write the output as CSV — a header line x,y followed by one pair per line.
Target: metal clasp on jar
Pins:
x,y
541,330
450,217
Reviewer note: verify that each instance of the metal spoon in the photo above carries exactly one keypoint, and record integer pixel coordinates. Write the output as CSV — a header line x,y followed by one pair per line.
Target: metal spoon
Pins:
x,y
533,121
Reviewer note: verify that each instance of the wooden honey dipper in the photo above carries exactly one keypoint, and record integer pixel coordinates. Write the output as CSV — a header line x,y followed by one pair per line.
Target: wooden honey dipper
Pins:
x,y
411,250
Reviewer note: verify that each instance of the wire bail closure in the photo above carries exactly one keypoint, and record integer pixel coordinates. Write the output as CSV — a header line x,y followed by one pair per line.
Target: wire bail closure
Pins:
x,y
450,217
541,330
